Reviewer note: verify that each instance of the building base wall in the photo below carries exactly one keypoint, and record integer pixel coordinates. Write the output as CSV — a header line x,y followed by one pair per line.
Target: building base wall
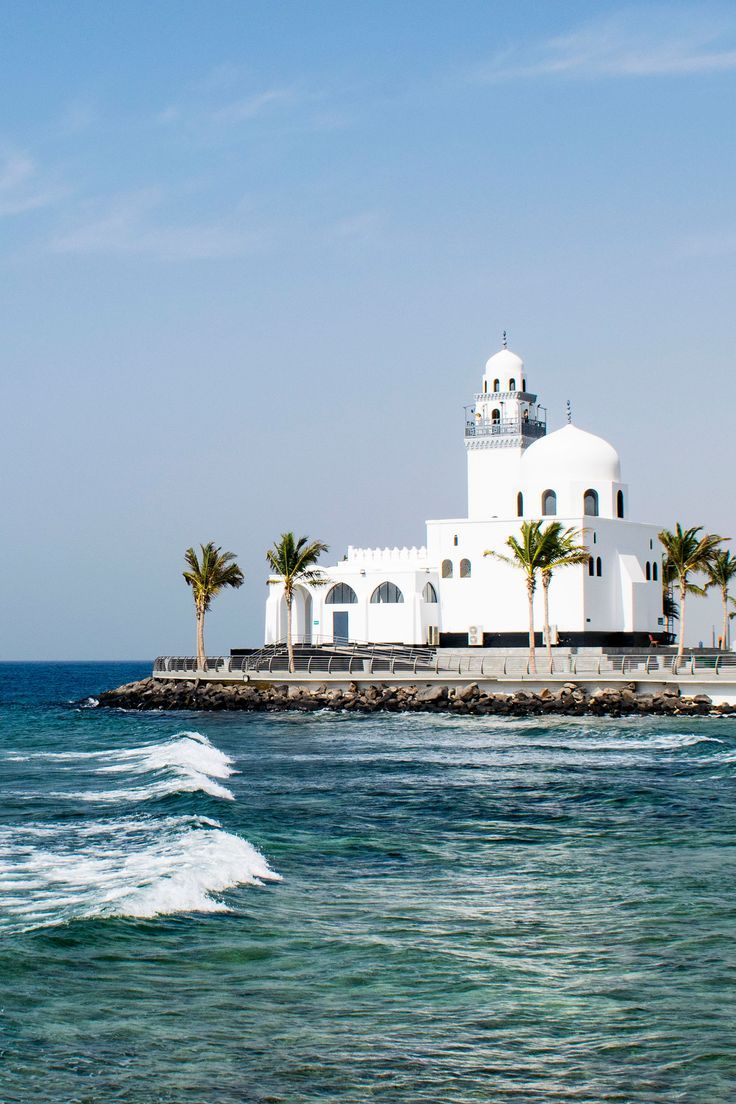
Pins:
x,y
640,640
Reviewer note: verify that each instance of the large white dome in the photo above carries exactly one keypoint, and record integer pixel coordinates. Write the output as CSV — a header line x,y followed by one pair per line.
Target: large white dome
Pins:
x,y
572,455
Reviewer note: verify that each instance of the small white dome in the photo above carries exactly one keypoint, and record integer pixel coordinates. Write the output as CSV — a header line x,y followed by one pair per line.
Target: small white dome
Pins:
x,y
504,363
572,455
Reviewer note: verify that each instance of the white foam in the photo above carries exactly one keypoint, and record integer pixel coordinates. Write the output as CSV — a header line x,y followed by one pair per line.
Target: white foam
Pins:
x,y
183,781
187,763
123,868
589,741
187,750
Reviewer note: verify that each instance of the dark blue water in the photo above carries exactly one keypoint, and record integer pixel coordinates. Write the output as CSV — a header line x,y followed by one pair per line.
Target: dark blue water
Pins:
x,y
470,909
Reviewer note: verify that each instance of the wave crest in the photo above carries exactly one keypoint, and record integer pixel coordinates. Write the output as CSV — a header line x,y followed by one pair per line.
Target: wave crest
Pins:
x,y
139,869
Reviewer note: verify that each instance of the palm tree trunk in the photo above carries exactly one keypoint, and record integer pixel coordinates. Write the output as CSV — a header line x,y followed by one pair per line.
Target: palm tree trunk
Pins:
x,y
725,620
683,595
289,641
201,656
532,652
546,580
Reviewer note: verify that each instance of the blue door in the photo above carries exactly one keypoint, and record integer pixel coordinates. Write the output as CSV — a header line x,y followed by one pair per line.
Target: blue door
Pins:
x,y
340,627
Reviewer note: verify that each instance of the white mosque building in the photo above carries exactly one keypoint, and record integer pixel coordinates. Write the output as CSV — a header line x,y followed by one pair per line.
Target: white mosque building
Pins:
x,y
448,593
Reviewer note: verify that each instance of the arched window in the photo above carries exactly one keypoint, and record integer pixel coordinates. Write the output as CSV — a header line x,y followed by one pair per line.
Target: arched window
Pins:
x,y
341,595
549,504
648,571
590,504
591,566
429,594
512,384
455,540
495,415
619,504
519,505
447,569
496,385
598,567
465,569
655,572
523,385
386,594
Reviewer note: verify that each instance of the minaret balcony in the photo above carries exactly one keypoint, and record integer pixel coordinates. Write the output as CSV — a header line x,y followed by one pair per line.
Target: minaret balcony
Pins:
x,y
500,396
506,427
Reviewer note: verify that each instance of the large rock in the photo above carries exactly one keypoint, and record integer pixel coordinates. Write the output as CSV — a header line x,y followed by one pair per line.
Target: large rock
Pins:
x,y
431,695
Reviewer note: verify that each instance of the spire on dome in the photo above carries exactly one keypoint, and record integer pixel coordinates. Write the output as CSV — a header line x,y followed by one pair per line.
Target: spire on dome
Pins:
x,y
569,412
505,342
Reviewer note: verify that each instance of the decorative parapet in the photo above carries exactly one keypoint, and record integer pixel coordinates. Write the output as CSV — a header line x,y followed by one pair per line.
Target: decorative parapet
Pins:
x,y
386,555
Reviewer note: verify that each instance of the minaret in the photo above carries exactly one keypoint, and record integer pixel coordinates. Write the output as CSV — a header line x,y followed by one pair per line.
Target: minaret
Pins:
x,y
503,421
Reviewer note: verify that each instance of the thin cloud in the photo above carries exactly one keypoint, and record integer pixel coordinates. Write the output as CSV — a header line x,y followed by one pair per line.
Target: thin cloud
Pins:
x,y
129,226
77,117
634,43
362,226
201,112
240,111
20,190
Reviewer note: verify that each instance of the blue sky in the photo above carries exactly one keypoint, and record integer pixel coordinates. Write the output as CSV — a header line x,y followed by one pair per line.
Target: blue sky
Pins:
x,y
255,256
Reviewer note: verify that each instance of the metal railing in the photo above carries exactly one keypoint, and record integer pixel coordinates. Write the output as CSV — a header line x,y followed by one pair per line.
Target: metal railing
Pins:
x,y
375,659
525,427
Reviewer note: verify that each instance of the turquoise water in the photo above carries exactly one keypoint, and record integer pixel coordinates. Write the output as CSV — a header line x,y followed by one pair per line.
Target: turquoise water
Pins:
x,y
469,909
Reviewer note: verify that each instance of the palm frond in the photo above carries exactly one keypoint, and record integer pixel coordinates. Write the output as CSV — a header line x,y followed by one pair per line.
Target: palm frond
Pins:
x,y
296,560
210,572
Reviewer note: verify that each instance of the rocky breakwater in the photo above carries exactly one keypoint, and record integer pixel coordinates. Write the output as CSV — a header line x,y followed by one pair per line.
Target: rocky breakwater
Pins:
x,y
571,699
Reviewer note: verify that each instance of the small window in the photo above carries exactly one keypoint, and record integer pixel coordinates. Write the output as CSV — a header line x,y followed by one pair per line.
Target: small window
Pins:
x,y
595,537
341,595
495,415
523,385
429,594
454,540
447,569
465,569
386,594
496,385
619,504
485,387
591,566
648,571
512,384
549,504
655,571
519,505
590,503
598,567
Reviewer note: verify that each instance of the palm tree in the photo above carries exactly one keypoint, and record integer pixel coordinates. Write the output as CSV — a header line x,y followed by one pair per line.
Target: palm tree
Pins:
x,y
207,577
561,548
295,561
721,572
528,555
687,554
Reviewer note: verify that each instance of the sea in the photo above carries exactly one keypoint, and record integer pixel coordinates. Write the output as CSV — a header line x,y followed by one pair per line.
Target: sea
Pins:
x,y
219,908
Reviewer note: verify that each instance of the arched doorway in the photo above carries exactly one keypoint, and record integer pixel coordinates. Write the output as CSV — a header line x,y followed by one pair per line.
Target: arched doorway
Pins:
x,y
301,617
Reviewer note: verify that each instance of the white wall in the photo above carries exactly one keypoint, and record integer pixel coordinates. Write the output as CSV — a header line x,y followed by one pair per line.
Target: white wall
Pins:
x,y
494,597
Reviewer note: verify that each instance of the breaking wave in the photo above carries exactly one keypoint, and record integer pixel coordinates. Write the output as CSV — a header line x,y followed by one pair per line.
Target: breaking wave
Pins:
x,y
187,763
146,868
189,751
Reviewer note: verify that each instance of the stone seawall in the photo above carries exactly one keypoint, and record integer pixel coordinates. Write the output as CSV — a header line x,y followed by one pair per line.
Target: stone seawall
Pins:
x,y
571,699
